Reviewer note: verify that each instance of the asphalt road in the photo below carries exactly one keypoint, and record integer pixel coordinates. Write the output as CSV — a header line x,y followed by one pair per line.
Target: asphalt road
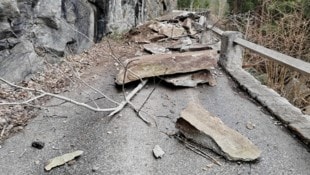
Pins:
x,y
123,144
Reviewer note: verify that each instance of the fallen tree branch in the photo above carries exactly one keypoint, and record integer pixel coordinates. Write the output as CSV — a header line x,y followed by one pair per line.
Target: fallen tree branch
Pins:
x,y
129,97
138,112
81,80
43,94
86,84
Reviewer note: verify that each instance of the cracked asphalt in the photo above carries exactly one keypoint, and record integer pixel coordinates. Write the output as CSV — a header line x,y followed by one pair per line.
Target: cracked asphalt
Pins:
x,y
123,144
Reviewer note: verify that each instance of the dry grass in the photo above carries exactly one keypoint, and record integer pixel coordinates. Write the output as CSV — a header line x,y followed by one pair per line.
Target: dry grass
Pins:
x,y
288,33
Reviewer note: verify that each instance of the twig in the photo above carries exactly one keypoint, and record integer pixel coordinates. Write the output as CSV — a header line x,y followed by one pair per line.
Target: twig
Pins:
x,y
120,62
198,151
81,80
138,112
2,132
148,97
128,98
22,154
43,93
96,90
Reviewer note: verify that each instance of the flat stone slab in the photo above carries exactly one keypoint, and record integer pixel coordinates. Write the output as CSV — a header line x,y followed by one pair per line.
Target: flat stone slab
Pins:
x,y
202,127
192,80
154,48
166,64
168,30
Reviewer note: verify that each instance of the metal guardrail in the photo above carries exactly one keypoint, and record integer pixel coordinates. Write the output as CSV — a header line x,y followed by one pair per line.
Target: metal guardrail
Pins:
x,y
291,62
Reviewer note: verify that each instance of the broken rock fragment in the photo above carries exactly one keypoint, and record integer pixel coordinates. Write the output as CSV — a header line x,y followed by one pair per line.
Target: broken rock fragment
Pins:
x,y
154,48
192,80
158,152
203,128
166,64
61,160
187,24
167,29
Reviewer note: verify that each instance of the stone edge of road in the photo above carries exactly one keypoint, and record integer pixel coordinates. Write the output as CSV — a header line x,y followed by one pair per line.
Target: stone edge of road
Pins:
x,y
280,107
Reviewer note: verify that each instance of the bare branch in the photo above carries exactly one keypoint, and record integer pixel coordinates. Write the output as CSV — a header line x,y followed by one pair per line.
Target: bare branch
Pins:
x,y
43,93
128,98
96,90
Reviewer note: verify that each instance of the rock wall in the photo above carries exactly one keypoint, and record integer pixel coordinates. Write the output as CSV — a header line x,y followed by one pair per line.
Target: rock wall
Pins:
x,y
32,31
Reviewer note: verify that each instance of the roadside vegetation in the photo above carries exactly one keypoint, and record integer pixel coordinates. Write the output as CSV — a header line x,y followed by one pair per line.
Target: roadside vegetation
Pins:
x,y
282,25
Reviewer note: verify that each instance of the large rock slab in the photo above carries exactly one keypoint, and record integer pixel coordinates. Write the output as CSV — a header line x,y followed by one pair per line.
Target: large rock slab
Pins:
x,y
166,64
202,127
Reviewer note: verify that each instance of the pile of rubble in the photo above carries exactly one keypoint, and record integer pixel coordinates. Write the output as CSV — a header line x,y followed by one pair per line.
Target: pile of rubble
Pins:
x,y
182,52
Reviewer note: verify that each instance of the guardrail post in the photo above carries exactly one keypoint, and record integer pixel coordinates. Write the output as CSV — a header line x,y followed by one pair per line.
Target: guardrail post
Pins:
x,y
231,54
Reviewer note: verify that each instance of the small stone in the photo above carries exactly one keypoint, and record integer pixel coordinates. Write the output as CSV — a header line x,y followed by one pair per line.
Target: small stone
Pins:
x,y
158,152
38,144
210,165
250,126
37,162
95,168
109,132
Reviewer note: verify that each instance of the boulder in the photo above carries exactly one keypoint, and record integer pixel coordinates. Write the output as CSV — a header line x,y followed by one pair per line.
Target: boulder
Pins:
x,y
22,62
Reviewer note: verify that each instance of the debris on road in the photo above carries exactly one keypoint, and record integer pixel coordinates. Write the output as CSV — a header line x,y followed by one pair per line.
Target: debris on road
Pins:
x,y
191,80
95,169
158,152
156,65
250,126
168,29
166,37
38,144
196,149
155,49
61,160
202,127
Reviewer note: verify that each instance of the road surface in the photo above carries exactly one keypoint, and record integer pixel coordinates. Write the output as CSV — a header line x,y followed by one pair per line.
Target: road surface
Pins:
x,y
123,144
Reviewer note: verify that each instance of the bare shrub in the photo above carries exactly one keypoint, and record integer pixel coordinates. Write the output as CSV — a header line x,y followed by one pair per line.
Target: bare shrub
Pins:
x,y
280,27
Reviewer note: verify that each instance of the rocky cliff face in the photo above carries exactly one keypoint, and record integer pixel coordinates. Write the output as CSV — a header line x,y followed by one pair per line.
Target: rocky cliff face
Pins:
x,y
32,31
